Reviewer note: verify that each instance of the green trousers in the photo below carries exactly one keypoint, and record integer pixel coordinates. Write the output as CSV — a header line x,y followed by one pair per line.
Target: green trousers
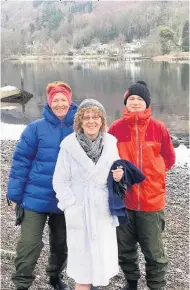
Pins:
x,y
146,229
30,245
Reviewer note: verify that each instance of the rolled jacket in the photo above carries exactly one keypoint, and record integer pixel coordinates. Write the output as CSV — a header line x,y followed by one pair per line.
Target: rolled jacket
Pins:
x,y
132,175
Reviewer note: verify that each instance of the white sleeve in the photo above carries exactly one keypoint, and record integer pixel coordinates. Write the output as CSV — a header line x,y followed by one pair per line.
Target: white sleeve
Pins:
x,y
115,151
62,180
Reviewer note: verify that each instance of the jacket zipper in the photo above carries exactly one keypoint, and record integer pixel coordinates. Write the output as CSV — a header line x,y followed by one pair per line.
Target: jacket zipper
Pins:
x,y
61,126
139,184
139,161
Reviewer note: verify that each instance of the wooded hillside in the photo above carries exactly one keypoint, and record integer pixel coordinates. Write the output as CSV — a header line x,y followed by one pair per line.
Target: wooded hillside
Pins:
x,y
54,27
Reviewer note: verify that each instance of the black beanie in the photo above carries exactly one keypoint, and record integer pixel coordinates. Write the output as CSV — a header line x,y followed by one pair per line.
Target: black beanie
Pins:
x,y
140,89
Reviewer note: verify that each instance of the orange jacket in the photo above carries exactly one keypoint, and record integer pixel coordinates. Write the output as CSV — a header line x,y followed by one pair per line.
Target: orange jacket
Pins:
x,y
146,143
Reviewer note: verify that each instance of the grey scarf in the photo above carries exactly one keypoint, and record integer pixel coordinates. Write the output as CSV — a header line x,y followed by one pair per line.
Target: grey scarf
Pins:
x,y
93,148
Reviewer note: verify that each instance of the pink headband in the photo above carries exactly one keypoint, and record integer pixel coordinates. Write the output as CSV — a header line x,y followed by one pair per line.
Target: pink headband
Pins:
x,y
59,89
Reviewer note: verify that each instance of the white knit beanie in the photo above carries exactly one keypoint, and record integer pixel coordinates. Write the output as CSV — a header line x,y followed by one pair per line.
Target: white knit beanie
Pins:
x,y
88,103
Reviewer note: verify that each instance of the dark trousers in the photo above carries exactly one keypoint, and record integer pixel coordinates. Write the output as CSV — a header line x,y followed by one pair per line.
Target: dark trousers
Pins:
x,y
30,245
146,229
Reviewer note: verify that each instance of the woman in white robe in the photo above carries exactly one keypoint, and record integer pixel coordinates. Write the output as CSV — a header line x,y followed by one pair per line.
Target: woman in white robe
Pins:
x,y
80,183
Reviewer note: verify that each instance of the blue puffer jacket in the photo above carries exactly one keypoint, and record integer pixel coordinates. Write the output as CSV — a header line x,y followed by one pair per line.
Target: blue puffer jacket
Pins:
x,y
34,159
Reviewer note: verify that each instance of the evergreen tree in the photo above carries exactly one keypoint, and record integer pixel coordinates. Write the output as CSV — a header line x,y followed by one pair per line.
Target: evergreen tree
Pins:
x,y
185,36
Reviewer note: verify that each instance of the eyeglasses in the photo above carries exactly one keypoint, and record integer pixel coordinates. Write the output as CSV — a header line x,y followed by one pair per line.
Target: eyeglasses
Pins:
x,y
94,118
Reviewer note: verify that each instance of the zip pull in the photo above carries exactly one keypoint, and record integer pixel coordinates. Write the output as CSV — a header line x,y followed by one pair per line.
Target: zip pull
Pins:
x,y
61,123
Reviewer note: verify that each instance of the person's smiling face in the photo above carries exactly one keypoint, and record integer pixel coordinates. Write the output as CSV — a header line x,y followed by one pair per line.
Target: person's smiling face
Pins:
x,y
135,104
60,105
91,124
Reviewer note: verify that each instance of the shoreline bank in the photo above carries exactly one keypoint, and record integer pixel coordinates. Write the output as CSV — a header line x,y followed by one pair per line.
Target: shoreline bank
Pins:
x,y
176,57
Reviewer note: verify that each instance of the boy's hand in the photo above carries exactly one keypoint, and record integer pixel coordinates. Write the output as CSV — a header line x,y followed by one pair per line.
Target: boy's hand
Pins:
x,y
117,174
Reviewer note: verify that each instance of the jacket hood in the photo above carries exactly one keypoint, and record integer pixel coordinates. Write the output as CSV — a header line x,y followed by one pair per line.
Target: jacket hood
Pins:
x,y
52,118
140,117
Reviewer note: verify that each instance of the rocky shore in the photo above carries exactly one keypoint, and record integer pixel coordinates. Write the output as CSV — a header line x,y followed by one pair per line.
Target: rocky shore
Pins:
x,y
176,236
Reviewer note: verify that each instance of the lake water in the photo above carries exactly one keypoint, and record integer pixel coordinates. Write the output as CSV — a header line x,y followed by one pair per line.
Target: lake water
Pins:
x,y
104,81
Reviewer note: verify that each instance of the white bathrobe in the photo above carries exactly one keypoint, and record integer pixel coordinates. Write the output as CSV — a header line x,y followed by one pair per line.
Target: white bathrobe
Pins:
x,y
81,189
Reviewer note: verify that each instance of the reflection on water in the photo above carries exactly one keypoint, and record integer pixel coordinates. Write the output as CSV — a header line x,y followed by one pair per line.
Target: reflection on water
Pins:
x,y
106,82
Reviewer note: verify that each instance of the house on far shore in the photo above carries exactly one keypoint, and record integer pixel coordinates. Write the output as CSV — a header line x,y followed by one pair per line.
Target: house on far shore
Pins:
x,y
108,48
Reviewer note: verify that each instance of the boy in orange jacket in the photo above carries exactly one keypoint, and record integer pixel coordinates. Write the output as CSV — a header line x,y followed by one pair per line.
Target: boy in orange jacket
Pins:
x,y
145,142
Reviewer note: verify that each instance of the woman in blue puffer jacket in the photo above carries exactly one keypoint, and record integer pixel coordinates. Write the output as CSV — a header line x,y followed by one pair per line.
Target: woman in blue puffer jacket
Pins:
x,y
30,186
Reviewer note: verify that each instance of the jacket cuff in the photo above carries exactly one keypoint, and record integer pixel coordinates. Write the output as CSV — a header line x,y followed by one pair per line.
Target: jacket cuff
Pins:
x,y
62,205
14,199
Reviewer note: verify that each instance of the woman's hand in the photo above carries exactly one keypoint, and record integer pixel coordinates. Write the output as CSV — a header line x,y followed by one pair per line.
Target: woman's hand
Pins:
x,y
117,174
14,205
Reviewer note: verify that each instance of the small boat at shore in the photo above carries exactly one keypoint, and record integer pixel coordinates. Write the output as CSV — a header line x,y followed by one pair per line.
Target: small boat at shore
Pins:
x,y
11,94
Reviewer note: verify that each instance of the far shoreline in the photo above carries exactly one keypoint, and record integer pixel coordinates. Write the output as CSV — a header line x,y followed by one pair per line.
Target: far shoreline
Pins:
x,y
177,57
